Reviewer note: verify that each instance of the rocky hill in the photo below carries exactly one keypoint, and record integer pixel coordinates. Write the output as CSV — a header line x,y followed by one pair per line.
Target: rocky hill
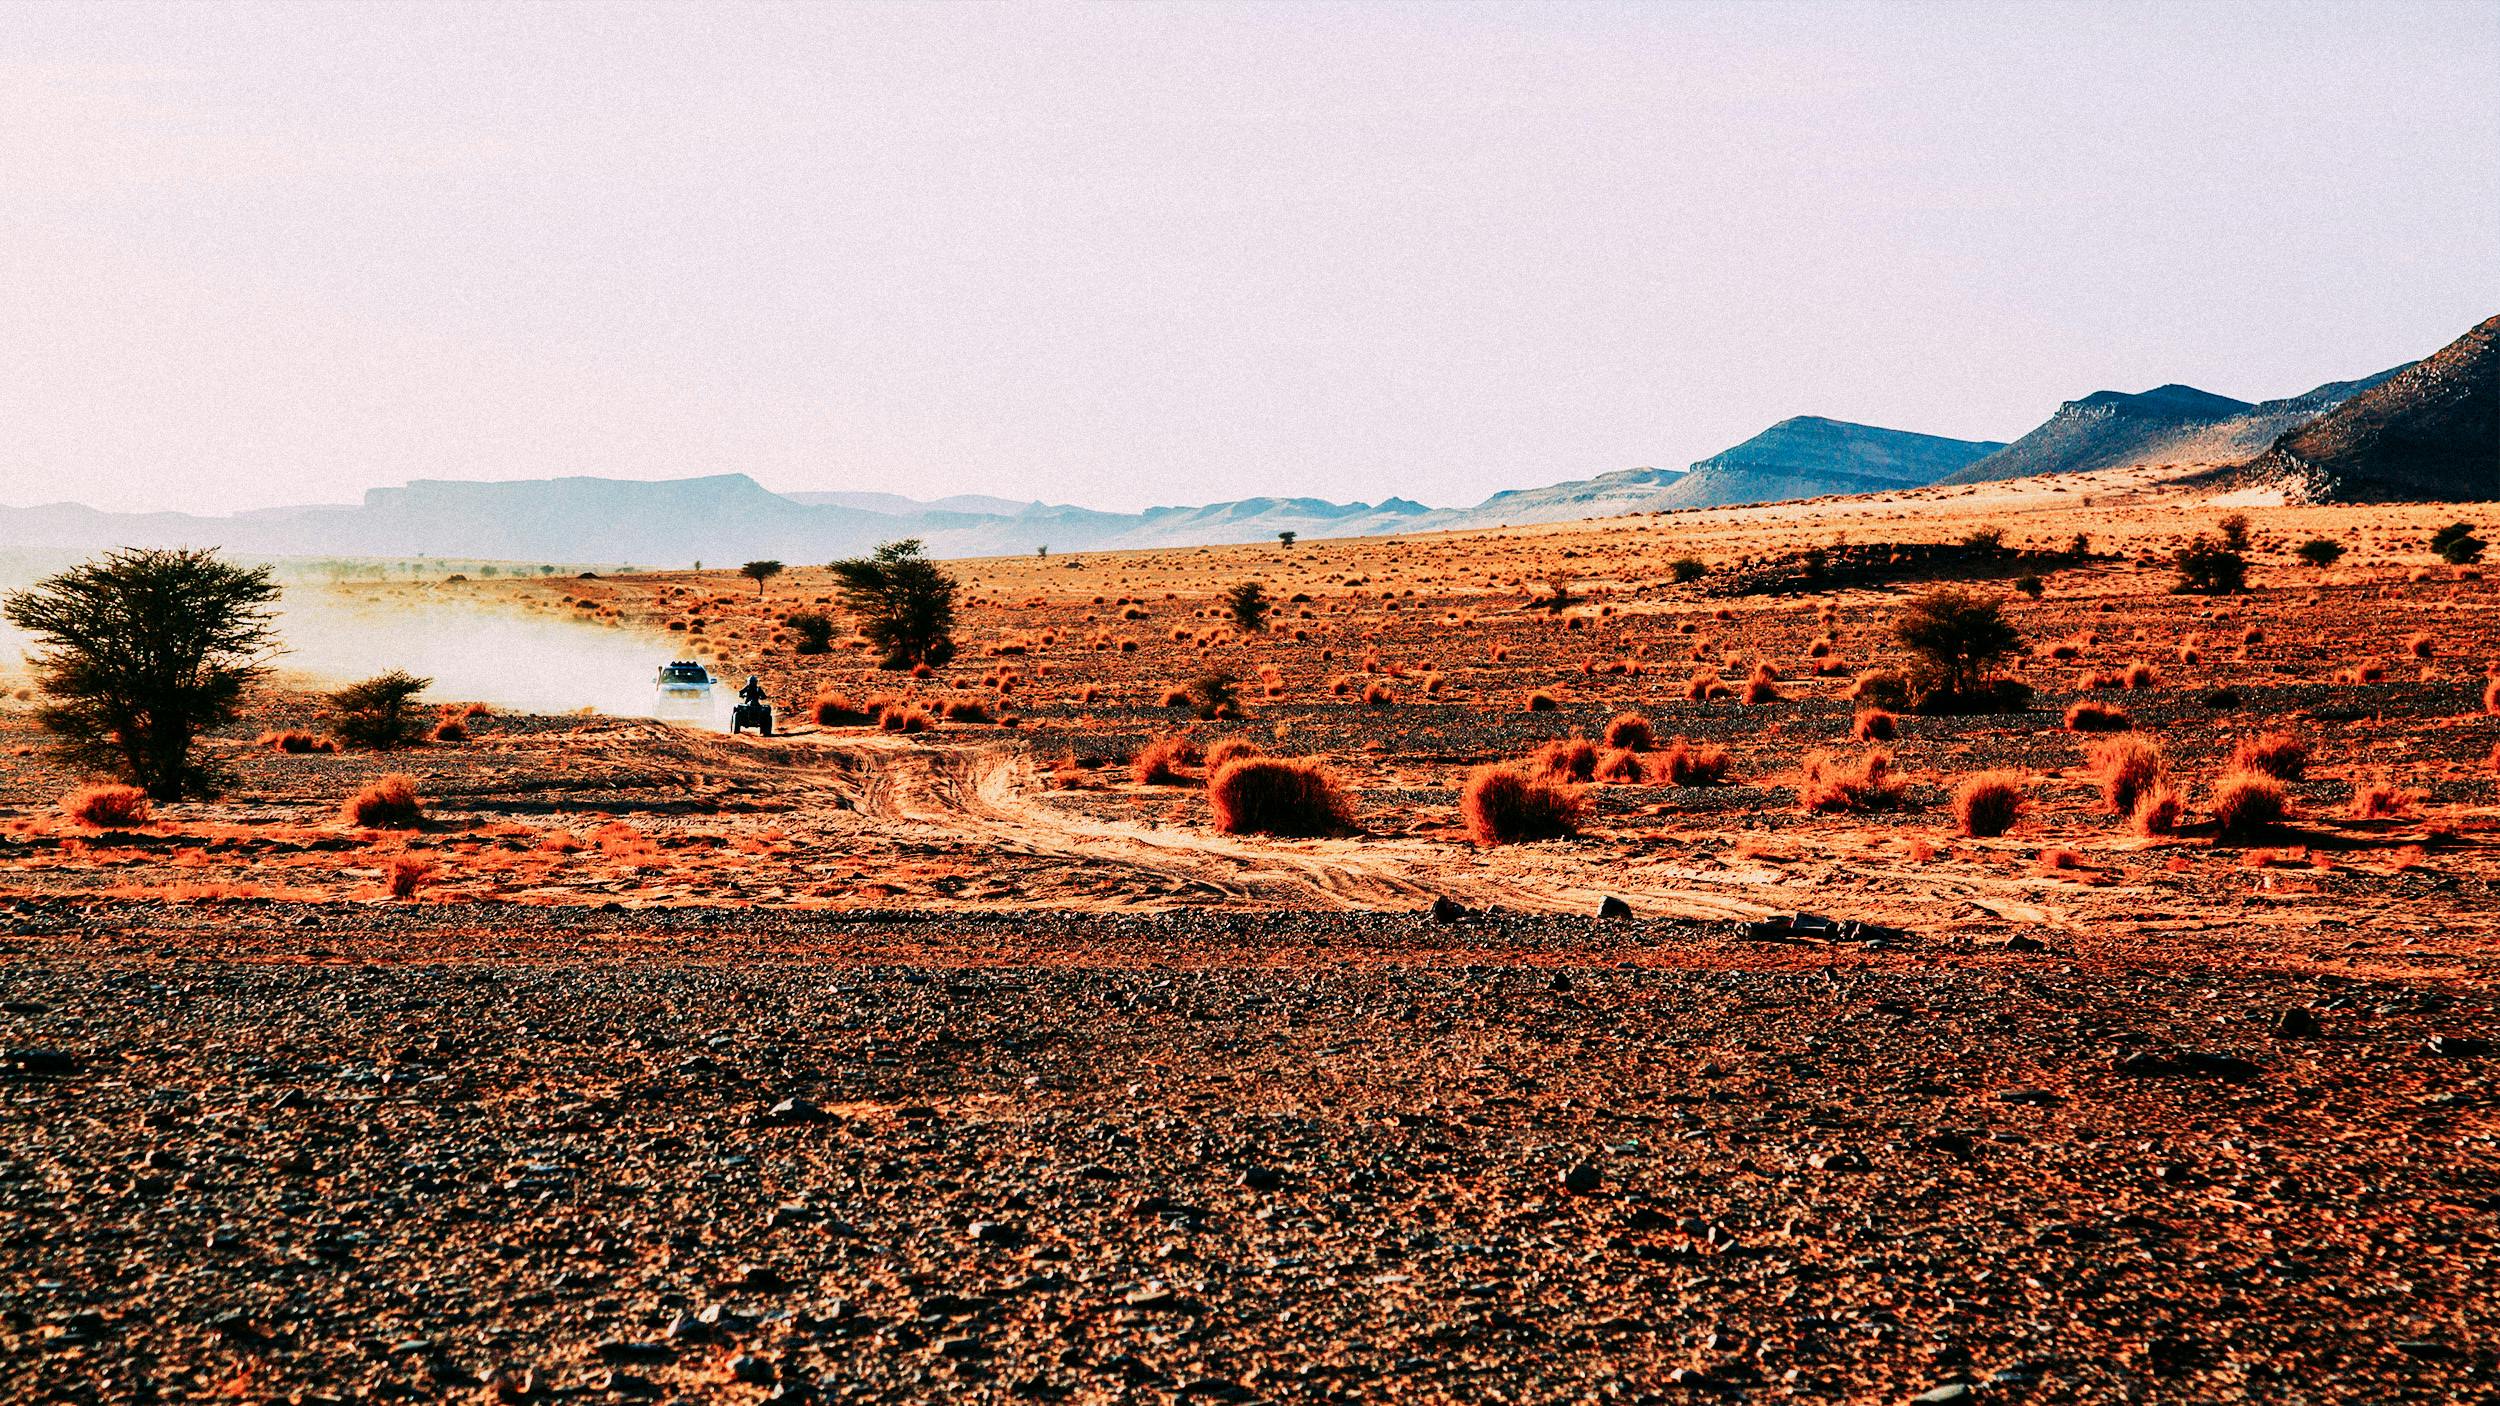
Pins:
x,y
2169,425
2429,432
1808,456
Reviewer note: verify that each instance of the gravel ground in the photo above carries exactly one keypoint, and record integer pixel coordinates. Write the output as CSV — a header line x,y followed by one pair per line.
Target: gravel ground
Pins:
x,y
360,1152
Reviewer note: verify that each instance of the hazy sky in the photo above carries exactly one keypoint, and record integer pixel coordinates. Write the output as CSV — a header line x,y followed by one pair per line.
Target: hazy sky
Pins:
x,y
1127,254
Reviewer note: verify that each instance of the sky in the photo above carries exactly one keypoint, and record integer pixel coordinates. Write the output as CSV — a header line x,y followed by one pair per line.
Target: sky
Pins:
x,y
1121,255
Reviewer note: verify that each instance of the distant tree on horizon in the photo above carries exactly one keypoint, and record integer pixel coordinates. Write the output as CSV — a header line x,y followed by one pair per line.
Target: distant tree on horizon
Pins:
x,y
905,604
1287,536
760,572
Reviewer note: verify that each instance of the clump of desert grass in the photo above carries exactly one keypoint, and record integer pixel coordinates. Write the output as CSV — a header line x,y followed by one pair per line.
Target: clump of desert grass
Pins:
x,y
2157,811
1705,684
1231,748
1621,767
2383,801
1278,796
1688,763
2127,767
1851,784
388,804
1503,804
2245,804
1986,804
1762,686
1880,688
2276,754
404,874
1875,725
107,806
1159,762
295,742
1570,759
831,709
2088,716
1543,701
1631,732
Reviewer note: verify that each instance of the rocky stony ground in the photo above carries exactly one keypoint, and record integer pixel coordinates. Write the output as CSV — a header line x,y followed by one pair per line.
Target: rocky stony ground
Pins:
x,y
357,1152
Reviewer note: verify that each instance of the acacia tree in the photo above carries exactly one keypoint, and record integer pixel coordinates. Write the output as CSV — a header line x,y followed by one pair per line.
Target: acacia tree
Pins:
x,y
141,652
905,605
1957,637
760,572
378,712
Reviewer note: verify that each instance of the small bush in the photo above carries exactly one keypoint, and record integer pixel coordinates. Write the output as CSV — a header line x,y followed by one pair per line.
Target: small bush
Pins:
x,y
2097,717
378,712
1687,569
1957,637
904,717
1987,803
1541,701
1277,796
2491,696
1158,763
1875,725
840,710
295,741
1620,767
2127,767
2157,811
388,804
2247,803
1377,695
449,730
2457,545
1506,804
1881,688
2320,552
1761,688
107,806
2210,567
1631,732
2381,801
1706,684
1834,782
2139,675
1231,748
811,633
404,874
1694,763
1571,759
2275,754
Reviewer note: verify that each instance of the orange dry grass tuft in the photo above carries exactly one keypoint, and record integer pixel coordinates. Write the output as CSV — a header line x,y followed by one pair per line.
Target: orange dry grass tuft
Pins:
x,y
1571,759
1278,796
1377,695
1620,766
2127,767
1987,803
2382,801
1229,748
1694,763
1631,732
388,804
1158,763
839,710
1541,701
1505,804
404,874
2157,811
1706,684
1875,725
297,741
1833,782
107,806
2088,716
2246,803
2276,754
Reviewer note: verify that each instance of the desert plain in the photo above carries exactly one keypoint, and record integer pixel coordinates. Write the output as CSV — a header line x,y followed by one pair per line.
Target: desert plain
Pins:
x,y
942,1050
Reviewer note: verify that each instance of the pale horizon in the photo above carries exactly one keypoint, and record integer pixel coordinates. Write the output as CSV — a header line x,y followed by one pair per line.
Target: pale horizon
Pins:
x,y
265,255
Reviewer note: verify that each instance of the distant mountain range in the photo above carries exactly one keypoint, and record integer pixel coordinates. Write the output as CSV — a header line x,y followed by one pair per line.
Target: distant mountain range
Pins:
x,y
2424,430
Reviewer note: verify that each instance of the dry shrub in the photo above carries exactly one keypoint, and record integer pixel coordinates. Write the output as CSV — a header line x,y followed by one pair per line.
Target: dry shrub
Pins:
x,y
2052,860
388,804
1881,688
1875,725
2139,675
1631,733
2127,768
2419,646
1158,763
965,710
904,717
449,730
1865,782
1175,697
1706,684
1987,803
107,806
2276,754
561,842
2371,670
1620,766
1506,804
2246,803
1278,796
295,741
404,874
1762,688
1377,695
2382,801
2491,696
2157,811
1541,701
2088,716
2064,649
1571,759
838,710
1694,763
1231,748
